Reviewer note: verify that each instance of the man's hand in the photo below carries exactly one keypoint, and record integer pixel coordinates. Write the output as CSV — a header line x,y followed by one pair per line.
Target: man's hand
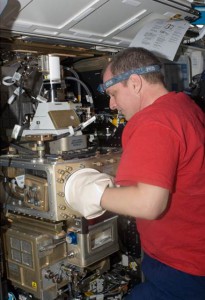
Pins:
x,y
84,189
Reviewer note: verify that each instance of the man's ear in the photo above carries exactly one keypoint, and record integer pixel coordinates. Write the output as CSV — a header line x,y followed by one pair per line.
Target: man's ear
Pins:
x,y
136,82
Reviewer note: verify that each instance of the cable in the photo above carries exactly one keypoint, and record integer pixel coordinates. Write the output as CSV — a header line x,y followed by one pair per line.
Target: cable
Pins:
x,y
200,36
78,83
23,149
11,296
20,115
8,81
84,85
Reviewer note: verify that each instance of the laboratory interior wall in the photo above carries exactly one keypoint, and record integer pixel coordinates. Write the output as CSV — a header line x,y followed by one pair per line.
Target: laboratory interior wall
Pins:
x,y
52,127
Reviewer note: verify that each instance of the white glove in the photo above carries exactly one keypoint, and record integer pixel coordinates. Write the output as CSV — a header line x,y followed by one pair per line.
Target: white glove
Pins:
x,y
84,189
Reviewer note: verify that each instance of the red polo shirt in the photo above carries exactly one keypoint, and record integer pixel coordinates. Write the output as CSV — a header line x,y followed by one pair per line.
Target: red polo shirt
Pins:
x,y
164,145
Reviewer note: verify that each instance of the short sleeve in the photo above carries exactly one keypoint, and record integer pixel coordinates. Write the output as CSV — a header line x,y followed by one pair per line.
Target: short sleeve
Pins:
x,y
150,156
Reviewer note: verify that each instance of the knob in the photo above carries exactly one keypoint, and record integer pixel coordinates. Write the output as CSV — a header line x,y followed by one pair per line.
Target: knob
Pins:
x,y
61,194
71,254
98,163
64,216
62,207
60,180
49,274
71,238
111,160
68,168
60,171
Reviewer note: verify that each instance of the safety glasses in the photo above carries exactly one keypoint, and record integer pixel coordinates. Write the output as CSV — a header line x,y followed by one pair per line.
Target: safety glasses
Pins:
x,y
124,76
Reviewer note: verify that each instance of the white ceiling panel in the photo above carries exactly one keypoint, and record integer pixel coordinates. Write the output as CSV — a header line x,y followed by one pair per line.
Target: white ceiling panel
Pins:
x,y
110,22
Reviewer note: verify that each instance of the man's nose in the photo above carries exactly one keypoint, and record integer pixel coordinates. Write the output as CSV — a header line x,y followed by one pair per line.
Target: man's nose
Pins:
x,y
112,103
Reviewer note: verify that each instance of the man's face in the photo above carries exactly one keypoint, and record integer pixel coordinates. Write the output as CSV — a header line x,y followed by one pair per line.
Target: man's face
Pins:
x,y
122,96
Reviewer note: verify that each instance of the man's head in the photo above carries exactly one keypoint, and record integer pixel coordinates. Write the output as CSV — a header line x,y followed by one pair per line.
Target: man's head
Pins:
x,y
134,58
127,77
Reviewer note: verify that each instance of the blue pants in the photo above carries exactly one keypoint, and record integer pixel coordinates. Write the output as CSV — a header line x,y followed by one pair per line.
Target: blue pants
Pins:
x,y
165,283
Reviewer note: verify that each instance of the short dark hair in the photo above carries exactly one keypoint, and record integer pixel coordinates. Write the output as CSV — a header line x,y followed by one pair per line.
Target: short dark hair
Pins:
x,y
133,58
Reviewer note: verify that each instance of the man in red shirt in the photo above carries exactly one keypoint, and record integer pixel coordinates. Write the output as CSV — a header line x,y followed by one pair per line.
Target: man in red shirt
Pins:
x,y
161,176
